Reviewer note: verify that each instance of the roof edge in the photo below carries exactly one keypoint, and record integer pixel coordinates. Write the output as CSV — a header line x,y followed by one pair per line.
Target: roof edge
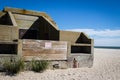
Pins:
x,y
33,13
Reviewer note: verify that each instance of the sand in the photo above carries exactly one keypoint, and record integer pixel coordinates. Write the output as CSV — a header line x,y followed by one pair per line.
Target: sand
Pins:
x,y
106,67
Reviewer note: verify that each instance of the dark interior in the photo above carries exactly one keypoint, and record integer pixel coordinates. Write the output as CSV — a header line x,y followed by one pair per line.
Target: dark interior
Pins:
x,y
27,34
41,30
8,48
5,20
83,39
81,49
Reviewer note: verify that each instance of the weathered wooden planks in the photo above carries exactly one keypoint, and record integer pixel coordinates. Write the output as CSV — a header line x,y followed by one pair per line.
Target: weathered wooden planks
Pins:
x,y
51,50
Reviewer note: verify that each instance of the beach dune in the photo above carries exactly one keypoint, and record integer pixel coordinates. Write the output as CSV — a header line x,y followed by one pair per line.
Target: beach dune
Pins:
x,y
106,67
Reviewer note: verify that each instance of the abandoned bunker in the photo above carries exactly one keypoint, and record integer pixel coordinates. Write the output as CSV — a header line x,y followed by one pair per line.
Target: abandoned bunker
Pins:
x,y
32,34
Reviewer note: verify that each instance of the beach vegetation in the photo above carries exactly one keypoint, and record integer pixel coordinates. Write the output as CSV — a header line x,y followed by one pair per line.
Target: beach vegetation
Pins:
x,y
13,67
39,65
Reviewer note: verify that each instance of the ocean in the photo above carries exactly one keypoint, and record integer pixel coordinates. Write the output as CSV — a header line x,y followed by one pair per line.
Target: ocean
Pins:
x,y
107,47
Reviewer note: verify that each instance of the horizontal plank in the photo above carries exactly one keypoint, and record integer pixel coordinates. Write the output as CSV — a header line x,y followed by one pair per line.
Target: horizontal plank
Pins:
x,y
54,50
81,44
47,57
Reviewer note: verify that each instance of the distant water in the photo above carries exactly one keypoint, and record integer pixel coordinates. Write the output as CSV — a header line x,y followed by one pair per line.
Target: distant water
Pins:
x,y
107,47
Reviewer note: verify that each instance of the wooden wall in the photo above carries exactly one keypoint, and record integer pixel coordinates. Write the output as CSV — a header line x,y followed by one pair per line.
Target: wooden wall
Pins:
x,y
8,33
44,49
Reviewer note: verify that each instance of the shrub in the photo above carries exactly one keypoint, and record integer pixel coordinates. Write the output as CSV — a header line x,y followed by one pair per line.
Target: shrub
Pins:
x,y
13,67
39,66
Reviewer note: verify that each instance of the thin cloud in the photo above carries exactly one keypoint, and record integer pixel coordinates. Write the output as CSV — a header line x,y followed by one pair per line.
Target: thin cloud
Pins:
x,y
105,37
107,42
104,33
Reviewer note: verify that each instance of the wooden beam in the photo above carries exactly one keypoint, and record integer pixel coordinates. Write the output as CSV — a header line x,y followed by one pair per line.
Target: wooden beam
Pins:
x,y
2,14
12,19
81,44
33,13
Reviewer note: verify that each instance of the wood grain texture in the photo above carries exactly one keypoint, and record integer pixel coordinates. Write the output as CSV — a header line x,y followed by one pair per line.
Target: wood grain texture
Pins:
x,y
52,50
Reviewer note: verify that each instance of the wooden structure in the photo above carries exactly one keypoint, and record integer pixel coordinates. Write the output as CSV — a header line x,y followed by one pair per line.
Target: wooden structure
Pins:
x,y
31,34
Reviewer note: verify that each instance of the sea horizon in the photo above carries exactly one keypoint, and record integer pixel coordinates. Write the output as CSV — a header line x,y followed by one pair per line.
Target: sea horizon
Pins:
x,y
108,47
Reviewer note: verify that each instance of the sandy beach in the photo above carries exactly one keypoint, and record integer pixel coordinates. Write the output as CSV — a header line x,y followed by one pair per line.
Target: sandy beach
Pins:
x,y
106,67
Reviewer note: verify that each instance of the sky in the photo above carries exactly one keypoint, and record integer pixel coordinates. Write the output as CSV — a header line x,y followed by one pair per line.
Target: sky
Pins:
x,y
100,19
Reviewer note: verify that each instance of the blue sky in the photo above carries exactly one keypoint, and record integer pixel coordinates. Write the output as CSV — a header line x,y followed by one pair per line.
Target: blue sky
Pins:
x,y
100,19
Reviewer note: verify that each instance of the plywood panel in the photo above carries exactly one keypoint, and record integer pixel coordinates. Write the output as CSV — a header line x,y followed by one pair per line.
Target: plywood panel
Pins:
x,y
25,20
51,50
5,33
34,13
8,33
69,36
